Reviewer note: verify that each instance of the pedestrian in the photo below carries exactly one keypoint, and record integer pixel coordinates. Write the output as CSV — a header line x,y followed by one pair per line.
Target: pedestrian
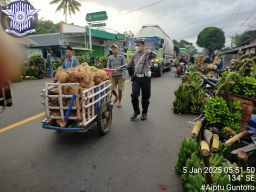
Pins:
x,y
141,80
117,62
70,61
220,63
91,59
192,60
49,64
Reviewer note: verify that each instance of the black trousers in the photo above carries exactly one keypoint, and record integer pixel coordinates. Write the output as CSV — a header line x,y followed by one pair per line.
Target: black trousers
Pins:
x,y
142,84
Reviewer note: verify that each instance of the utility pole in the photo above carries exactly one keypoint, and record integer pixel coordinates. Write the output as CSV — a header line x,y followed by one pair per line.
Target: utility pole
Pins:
x,y
233,41
90,36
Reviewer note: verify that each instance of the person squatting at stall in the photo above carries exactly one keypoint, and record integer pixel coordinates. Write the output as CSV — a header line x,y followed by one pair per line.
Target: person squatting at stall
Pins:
x,y
116,61
141,80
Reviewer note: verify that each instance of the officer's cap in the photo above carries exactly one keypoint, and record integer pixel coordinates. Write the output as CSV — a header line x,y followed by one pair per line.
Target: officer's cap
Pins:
x,y
138,42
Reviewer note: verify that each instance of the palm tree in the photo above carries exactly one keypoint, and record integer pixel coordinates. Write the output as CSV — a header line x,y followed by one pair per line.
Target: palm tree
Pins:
x,y
68,6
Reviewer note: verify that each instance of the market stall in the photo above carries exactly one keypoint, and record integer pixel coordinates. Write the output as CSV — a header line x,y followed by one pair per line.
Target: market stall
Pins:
x,y
220,154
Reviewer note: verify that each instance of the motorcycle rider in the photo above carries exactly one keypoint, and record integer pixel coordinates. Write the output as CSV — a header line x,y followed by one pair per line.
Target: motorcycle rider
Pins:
x,y
141,80
181,66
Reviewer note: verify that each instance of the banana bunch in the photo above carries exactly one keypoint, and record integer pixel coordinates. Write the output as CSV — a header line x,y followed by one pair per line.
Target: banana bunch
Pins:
x,y
192,78
182,101
194,162
220,178
227,83
197,100
188,146
217,160
195,183
246,65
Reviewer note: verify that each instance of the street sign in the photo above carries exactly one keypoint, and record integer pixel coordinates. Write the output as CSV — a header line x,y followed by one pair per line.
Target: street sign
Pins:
x,y
98,24
96,16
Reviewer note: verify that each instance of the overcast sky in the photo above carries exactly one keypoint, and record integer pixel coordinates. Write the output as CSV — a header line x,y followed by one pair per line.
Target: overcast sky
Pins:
x,y
181,19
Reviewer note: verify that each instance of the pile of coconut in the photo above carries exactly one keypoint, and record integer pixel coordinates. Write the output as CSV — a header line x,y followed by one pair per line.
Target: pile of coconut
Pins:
x,y
87,76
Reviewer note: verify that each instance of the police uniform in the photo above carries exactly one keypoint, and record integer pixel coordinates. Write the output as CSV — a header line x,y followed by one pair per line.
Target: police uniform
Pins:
x,y
141,81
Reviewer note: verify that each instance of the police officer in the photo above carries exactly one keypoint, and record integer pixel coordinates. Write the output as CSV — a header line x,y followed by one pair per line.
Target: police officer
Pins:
x,y
141,80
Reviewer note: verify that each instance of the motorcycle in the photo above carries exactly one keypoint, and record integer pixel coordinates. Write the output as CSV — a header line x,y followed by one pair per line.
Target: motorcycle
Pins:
x,y
180,69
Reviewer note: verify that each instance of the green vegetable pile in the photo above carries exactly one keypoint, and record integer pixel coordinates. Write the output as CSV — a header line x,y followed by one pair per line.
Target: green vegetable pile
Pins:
x,y
218,113
189,159
192,78
188,146
197,98
182,101
190,97
245,86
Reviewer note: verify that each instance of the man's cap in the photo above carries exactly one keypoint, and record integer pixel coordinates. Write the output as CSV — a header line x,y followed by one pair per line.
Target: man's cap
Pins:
x,y
139,42
114,46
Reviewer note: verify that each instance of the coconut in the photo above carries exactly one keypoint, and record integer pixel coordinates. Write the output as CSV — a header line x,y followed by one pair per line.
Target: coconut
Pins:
x,y
88,78
62,76
72,77
103,75
87,69
55,113
80,72
87,85
54,91
93,68
84,64
61,123
67,90
54,102
71,90
97,80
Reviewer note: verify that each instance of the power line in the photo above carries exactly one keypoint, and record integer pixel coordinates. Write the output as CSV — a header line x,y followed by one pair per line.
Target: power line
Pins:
x,y
237,10
140,8
245,21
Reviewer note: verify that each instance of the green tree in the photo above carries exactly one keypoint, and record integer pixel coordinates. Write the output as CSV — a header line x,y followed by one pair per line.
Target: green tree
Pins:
x,y
211,38
185,44
46,26
68,6
244,37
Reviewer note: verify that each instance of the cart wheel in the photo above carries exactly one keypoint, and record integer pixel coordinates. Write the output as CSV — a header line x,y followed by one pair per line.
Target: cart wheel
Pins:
x,y
104,118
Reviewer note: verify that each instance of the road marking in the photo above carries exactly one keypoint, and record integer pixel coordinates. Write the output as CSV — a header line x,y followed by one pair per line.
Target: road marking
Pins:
x,y
2,130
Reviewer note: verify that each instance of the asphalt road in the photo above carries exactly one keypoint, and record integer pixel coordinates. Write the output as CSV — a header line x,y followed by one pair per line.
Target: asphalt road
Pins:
x,y
134,157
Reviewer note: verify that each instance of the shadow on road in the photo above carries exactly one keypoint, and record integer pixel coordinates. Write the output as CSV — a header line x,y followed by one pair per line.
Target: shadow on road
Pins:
x,y
77,139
